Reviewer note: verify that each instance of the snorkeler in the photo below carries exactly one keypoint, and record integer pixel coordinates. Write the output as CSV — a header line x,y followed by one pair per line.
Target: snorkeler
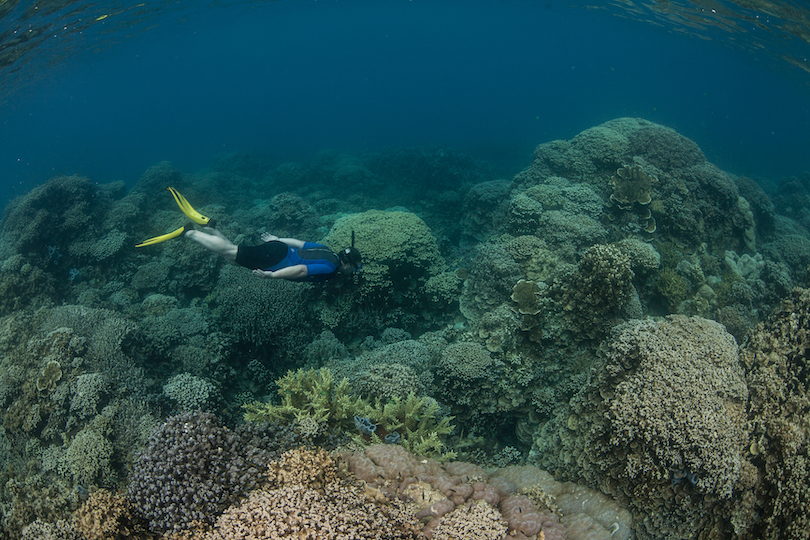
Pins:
x,y
276,258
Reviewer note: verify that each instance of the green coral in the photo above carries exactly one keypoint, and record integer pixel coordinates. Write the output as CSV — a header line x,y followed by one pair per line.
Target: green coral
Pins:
x,y
310,393
725,286
415,419
313,396
400,255
672,286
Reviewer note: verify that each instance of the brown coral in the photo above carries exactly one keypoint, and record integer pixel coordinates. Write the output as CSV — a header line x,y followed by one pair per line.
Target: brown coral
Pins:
x,y
51,374
661,426
631,185
476,520
526,294
312,468
310,501
106,516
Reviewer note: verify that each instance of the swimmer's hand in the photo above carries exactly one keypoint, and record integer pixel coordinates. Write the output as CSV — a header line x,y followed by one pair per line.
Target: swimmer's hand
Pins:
x,y
267,237
261,273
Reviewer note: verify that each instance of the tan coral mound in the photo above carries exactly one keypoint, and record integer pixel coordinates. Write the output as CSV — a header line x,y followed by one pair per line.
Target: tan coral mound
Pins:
x,y
308,500
106,516
661,426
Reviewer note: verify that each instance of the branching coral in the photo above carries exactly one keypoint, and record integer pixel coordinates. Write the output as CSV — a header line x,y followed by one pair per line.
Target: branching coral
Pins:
x,y
106,516
597,294
307,499
192,469
313,396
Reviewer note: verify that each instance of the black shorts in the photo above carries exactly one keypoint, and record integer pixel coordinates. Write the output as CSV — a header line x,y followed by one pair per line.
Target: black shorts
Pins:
x,y
263,256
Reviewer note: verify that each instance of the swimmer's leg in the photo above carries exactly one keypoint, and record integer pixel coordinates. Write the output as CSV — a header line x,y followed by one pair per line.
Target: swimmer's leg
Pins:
x,y
215,243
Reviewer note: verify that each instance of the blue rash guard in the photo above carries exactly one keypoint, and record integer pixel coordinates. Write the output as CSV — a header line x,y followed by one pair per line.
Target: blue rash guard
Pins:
x,y
322,263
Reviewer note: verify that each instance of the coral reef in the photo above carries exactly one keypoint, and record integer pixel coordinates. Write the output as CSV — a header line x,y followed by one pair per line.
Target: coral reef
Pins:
x,y
312,398
400,255
454,494
668,401
106,516
489,284
269,314
469,375
306,498
192,469
513,308
599,292
775,359
484,208
191,393
631,186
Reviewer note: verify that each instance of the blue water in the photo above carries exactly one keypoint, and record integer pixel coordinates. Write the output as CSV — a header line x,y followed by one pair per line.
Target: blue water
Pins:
x,y
291,78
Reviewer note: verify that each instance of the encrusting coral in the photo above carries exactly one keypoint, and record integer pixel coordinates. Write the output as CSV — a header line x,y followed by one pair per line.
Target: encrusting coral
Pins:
x,y
457,493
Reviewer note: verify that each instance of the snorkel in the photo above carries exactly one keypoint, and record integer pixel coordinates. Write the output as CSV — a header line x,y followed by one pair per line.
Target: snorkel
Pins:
x,y
352,256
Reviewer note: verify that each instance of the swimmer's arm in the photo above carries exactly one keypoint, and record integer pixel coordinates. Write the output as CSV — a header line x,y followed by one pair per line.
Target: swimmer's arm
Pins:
x,y
292,242
291,272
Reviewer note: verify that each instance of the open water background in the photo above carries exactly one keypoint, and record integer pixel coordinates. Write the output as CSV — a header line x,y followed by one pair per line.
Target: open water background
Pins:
x,y
109,90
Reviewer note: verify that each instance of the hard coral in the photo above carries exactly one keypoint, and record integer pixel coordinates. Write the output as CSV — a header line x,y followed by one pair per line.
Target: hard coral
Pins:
x,y
631,185
464,498
284,320
311,468
307,499
106,516
469,375
472,521
777,365
192,469
399,251
600,290
668,401
313,396
526,295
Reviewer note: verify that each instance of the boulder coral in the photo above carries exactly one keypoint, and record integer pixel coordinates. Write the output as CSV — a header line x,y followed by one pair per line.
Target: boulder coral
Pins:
x,y
400,255
661,425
